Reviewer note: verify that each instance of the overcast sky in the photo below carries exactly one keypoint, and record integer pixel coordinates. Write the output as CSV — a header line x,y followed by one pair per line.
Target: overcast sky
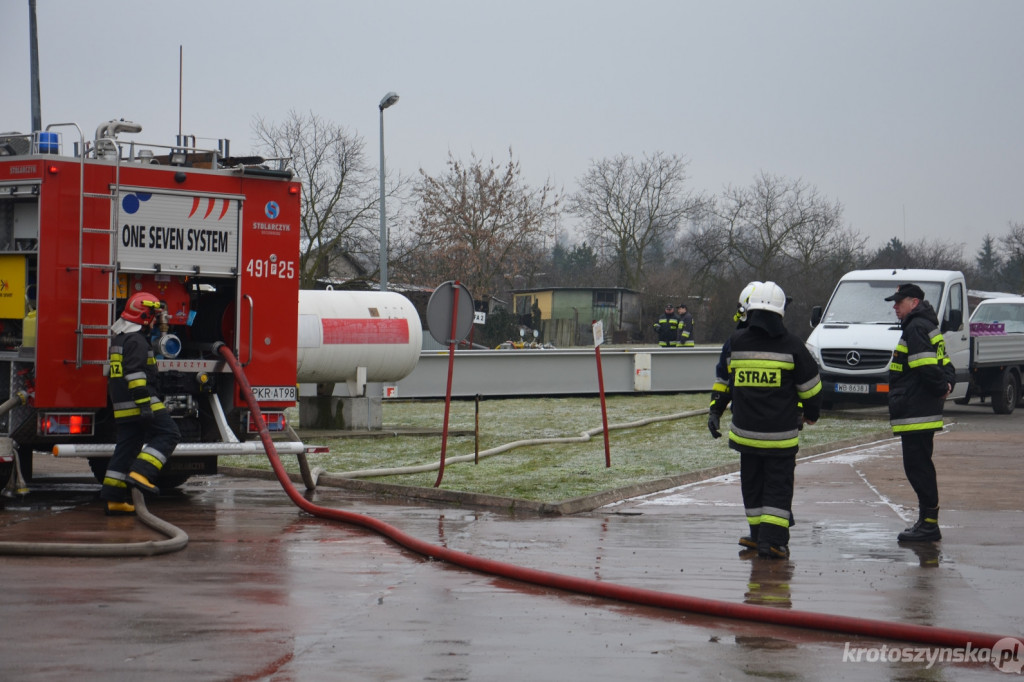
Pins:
x,y
909,113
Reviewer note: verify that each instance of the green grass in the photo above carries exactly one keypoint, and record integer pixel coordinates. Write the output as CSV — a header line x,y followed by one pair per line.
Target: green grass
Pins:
x,y
547,472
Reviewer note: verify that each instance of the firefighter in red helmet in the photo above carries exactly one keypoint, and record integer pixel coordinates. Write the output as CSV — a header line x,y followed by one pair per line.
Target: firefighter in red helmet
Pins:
x,y
146,434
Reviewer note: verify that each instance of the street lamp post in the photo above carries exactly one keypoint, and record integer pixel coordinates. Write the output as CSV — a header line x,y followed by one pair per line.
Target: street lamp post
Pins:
x,y
388,100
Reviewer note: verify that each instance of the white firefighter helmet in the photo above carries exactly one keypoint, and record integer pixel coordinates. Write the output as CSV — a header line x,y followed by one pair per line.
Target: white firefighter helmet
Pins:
x,y
767,296
743,302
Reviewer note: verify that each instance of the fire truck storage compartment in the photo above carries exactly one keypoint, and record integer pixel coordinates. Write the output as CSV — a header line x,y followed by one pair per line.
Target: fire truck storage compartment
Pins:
x,y
15,304
19,238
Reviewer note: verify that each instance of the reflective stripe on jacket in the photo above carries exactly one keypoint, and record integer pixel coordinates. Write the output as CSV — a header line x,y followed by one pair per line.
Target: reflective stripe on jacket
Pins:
x,y
132,375
920,374
772,383
667,327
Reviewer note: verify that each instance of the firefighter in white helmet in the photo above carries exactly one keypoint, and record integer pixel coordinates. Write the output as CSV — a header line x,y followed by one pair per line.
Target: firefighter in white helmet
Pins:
x,y
774,388
146,434
720,389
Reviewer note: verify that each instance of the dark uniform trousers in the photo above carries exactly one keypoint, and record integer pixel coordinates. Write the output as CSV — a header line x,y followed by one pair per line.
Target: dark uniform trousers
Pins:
x,y
766,482
919,468
141,445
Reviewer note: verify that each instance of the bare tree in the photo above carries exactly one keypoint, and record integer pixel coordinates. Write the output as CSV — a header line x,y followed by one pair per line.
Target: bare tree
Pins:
x,y
631,206
482,225
339,190
776,224
775,229
707,248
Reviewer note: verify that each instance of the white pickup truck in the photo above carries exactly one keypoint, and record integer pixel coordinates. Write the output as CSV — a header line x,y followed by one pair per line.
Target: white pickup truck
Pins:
x,y
997,349
855,333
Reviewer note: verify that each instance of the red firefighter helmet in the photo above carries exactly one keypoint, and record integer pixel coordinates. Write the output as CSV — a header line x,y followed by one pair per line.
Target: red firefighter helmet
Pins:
x,y
141,308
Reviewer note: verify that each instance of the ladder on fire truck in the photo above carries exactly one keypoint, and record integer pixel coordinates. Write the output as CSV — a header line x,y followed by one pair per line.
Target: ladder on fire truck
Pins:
x,y
84,331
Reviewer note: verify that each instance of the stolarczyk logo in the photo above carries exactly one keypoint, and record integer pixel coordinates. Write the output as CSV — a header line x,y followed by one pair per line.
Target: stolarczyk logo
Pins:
x,y
1007,655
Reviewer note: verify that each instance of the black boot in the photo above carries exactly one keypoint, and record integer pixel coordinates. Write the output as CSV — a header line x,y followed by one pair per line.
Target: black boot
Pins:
x,y
768,551
750,541
773,542
925,530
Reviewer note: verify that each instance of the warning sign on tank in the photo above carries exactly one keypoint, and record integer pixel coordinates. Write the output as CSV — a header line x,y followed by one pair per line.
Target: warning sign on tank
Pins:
x,y
177,233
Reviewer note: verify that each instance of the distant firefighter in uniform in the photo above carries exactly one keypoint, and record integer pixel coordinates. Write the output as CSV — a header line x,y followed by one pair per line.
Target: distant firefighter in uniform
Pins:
x,y
667,327
146,434
775,389
685,338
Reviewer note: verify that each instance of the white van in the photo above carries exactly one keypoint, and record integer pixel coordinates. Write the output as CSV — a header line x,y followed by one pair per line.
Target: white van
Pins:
x,y
855,333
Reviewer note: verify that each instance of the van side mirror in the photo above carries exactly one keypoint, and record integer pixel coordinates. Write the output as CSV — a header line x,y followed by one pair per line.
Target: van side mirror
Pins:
x,y
815,315
955,321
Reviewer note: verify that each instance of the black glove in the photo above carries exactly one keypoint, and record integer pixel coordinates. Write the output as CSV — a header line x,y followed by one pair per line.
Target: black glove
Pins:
x,y
714,425
146,412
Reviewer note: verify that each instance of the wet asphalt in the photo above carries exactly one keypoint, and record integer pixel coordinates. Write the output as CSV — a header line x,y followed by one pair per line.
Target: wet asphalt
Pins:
x,y
264,591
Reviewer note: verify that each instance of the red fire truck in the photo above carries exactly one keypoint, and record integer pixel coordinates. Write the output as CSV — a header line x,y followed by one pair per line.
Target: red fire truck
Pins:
x,y
86,223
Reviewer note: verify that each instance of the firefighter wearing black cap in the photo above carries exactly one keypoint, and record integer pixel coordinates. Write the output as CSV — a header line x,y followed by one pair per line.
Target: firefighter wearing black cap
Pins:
x,y
667,327
921,375
685,337
775,389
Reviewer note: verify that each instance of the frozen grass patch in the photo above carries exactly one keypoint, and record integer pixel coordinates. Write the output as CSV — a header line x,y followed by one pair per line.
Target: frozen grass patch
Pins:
x,y
547,472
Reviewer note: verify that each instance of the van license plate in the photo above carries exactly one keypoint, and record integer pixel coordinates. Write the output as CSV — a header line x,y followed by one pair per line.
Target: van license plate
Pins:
x,y
853,388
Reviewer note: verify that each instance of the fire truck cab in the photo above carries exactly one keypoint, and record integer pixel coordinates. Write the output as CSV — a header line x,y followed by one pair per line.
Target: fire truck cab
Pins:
x,y
86,223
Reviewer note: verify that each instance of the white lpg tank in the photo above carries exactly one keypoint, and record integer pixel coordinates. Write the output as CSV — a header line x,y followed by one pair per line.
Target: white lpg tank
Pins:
x,y
341,331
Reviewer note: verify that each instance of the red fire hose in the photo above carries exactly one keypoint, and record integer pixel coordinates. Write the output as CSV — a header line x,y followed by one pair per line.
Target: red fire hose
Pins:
x,y
803,619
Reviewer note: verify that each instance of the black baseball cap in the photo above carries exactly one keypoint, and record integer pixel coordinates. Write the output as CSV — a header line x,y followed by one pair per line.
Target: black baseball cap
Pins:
x,y
906,291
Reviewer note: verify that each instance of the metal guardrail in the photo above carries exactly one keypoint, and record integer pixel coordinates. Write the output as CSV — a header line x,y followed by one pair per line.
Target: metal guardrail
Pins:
x,y
539,372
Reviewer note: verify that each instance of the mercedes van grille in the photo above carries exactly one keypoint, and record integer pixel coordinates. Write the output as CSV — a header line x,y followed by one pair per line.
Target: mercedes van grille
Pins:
x,y
856,358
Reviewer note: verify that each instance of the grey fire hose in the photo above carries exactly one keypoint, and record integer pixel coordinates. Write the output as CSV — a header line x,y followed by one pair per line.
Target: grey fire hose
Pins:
x,y
176,540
